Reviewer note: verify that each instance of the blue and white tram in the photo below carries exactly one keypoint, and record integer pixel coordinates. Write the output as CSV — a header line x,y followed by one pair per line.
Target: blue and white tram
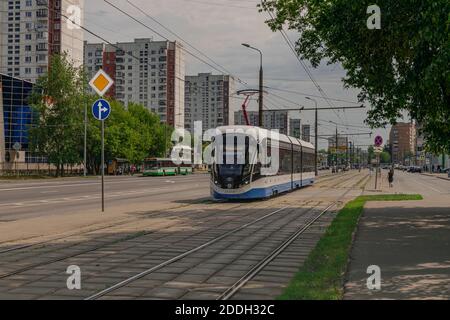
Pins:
x,y
246,181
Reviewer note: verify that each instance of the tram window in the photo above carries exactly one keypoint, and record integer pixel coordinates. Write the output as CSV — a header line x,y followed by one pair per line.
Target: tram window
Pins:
x,y
297,160
285,162
308,161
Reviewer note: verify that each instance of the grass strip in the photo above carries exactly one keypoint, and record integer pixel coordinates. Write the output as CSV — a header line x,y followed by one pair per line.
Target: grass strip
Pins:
x,y
321,276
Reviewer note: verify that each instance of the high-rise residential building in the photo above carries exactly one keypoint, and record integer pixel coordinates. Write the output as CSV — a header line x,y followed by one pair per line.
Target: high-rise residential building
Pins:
x,y
33,30
306,132
208,99
295,128
144,71
273,120
403,141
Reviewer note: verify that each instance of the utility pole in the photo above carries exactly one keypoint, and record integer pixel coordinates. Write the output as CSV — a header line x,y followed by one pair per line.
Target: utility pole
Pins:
x,y
261,94
85,132
261,85
317,136
316,109
346,152
337,141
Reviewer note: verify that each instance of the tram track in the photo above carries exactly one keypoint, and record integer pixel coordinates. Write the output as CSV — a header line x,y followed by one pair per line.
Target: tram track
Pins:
x,y
126,238
104,245
20,247
238,285
119,223
138,235
255,270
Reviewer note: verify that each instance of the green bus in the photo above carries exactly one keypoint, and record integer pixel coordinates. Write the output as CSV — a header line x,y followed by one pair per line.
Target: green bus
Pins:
x,y
165,167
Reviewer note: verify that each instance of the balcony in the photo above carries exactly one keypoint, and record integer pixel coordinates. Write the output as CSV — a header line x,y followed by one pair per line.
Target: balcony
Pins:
x,y
42,13
42,47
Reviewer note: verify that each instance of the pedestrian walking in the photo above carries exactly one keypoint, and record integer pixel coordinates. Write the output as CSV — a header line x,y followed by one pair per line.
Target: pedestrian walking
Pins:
x,y
391,178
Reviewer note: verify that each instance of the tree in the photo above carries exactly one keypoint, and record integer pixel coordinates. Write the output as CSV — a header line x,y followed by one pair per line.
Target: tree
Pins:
x,y
371,154
385,157
404,66
132,133
57,130
59,99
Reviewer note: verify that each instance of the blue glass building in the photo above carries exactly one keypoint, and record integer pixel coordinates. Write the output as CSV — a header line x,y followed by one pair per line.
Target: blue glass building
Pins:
x,y
15,114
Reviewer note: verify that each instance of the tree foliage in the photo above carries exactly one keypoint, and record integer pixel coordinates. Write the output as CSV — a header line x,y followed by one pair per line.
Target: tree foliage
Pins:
x,y
58,122
132,133
404,66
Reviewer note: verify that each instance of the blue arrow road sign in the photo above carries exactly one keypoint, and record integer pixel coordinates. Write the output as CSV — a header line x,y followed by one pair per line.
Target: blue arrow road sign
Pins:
x,y
101,109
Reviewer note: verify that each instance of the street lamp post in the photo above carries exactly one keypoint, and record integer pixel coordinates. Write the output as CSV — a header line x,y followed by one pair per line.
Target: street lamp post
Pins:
x,y
261,84
317,135
85,135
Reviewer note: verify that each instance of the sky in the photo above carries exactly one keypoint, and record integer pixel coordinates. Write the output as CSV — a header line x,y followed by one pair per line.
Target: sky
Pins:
x,y
218,28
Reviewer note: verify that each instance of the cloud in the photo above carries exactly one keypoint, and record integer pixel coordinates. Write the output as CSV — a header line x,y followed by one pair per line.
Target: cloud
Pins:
x,y
218,28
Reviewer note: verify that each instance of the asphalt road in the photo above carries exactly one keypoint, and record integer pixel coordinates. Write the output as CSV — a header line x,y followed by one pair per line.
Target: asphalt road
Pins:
x,y
421,184
33,199
20,200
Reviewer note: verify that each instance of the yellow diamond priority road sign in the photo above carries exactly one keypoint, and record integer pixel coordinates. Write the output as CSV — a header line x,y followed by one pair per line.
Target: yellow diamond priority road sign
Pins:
x,y
101,82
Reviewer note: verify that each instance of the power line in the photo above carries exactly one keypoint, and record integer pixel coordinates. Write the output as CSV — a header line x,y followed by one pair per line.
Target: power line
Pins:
x,y
308,72
347,125
164,37
220,4
178,36
307,95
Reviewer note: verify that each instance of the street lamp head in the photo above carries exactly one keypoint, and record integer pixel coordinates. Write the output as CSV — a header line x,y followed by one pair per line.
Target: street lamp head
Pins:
x,y
246,45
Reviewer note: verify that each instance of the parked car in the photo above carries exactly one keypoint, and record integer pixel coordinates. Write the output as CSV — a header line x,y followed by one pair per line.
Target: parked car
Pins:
x,y
415,169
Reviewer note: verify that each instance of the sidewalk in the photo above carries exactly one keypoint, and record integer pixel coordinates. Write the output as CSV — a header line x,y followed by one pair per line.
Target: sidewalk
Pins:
x,y
409,241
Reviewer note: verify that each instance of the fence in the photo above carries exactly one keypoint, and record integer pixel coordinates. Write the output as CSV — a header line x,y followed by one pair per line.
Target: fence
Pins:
x,y
22,168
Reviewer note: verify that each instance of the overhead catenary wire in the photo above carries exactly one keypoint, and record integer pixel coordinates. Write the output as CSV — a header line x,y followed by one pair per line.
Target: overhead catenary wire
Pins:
x,y
302,63
164,37
177,36
220,68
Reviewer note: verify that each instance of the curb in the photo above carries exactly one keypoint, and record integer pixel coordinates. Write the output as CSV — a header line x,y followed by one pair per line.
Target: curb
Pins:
x,y
430,175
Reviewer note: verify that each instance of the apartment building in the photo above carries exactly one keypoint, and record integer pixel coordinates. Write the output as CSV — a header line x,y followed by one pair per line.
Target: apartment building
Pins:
x,y
295,128
33,30
306,132
208,99
403,141
145,71
272,120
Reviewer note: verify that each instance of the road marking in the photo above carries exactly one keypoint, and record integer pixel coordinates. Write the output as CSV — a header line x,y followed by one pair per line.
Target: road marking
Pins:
x,y
428,186
86,184
81,198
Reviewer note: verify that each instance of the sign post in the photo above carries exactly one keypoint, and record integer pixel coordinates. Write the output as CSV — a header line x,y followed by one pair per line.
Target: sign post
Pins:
x,y
101,110
378,150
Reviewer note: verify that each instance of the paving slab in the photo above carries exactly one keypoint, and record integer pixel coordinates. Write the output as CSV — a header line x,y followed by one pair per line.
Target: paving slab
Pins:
x,y
410,242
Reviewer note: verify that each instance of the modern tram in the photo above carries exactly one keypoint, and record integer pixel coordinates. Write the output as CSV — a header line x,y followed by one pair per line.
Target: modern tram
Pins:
x,y
247,181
